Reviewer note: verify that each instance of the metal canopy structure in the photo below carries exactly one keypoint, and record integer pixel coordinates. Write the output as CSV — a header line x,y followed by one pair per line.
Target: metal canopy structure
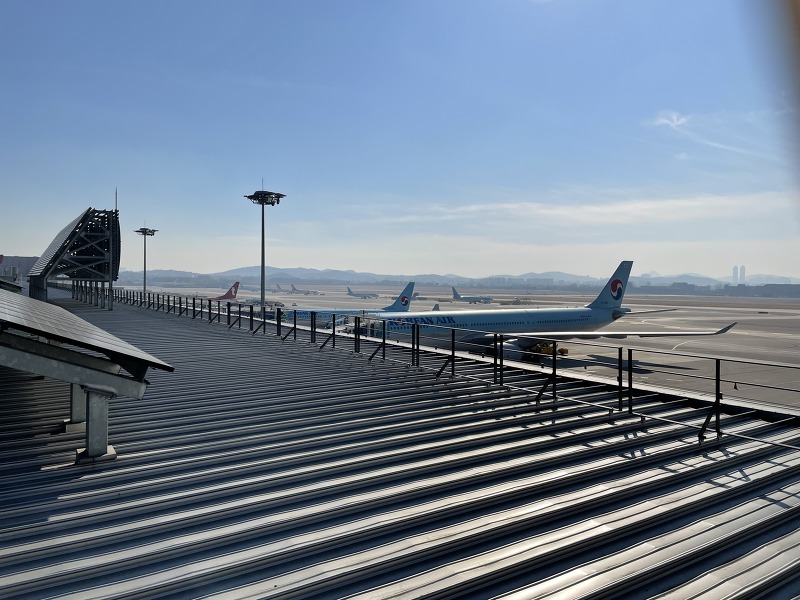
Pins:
x,y
47,340
86,250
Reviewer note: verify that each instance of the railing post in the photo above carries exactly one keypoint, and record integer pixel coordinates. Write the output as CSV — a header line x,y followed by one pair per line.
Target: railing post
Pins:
x,y
718,397
278,319
555,353
333,333
501,358
313,327
495,359
228,313
619,376
357,337
715,408
630,381
415,345
452,352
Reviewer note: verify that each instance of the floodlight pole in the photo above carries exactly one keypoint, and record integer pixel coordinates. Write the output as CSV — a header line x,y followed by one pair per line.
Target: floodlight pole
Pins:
x,y
264,198
145,232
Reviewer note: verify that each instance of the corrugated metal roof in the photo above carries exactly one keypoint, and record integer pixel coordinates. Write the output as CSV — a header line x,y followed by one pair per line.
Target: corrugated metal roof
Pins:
x,y
262,468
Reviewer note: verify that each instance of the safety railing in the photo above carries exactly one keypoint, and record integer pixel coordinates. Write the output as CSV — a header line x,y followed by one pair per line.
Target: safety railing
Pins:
x,y
697,377
440,348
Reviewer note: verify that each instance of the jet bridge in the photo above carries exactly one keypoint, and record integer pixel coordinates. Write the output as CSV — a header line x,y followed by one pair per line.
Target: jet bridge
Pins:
x,y
40,338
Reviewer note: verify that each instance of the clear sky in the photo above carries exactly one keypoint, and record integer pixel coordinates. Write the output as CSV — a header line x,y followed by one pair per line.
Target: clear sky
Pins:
x,y
471,137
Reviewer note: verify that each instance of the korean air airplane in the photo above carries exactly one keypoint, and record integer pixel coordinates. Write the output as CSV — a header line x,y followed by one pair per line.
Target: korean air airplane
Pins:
x,y
477,327
400,306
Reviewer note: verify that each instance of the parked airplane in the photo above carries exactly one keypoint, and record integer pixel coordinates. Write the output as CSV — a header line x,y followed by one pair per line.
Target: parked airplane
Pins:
x,y
306,292
364,295
477,327
471,299
399,306
230,294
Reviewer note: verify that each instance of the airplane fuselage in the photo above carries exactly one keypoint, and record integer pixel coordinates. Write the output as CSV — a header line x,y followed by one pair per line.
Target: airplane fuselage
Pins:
x,y
326,313
534,320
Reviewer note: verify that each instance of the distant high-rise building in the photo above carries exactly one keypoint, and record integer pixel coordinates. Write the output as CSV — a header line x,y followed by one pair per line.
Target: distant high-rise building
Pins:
x,y
741,274
735,275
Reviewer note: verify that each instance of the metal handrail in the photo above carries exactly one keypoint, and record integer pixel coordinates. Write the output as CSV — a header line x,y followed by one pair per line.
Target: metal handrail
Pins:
x,y
415,334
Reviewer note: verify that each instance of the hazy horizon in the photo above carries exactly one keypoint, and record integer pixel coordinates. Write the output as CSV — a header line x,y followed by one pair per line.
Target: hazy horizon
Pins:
x,y
634,274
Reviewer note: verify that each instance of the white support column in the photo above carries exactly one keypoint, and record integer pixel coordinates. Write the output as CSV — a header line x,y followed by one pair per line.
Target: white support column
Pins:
x,y
97,447
77,409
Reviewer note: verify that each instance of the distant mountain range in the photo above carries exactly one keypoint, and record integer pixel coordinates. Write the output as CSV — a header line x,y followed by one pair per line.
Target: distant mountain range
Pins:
x,y
251,275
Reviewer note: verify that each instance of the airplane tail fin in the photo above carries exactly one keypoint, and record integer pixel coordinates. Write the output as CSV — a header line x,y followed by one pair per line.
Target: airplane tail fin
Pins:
x,y
349,292
231,293
456,295
614,290
403,300
294,289
278,287
436,306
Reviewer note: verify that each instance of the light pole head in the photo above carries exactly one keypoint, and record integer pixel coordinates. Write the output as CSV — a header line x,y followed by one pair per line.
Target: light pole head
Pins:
x,y
264,197
145,231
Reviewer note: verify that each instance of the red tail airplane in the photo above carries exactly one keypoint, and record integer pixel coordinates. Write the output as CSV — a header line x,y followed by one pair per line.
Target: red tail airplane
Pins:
x,y
230,294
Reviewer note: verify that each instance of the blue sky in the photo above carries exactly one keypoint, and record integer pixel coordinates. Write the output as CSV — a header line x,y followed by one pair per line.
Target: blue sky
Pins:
x,y
471,137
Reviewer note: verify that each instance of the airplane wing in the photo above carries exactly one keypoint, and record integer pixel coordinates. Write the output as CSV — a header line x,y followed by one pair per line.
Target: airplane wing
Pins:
x,y
647,312
590,335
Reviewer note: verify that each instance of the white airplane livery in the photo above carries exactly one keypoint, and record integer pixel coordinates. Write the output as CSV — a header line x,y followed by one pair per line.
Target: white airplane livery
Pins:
x,y
295,290
477,327
400,306
363,295
471,299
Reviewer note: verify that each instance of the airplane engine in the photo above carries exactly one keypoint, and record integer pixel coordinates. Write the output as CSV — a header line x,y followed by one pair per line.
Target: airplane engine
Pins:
x,y
513,352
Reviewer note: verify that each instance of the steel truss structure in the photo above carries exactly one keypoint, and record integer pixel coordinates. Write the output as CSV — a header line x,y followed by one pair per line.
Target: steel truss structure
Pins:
x,y
87,252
